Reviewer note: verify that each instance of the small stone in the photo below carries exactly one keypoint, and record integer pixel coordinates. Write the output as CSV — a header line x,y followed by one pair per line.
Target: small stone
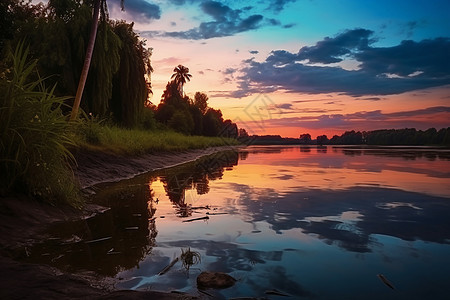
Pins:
x,y
215,280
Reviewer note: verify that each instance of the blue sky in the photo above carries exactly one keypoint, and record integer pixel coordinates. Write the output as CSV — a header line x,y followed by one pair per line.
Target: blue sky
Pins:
x,y
315,60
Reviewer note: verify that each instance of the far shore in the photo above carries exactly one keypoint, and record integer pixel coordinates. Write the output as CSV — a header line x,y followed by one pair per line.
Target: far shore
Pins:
x,y
23,221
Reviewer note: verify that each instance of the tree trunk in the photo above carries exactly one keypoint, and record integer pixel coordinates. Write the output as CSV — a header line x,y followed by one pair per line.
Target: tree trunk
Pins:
x,y
87,61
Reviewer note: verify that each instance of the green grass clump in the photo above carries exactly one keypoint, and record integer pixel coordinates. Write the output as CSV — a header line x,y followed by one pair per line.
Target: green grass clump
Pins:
x,y
113,139
35,135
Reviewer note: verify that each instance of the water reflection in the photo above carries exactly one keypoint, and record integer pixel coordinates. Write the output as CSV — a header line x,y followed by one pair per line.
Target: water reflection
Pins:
x,y
196,176
114,240
285,218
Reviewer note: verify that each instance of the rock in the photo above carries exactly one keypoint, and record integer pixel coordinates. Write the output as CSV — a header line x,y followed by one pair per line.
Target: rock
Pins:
x,y
215,280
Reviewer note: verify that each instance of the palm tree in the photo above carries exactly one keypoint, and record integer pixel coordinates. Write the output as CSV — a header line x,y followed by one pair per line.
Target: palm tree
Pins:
x,y
180,75
88,57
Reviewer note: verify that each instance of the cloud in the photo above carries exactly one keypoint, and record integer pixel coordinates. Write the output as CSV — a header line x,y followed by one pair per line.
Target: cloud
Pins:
x,y
430,57
226,22
253,51
370,120
382,71
330,50
140,10
278,5
229,71
411,26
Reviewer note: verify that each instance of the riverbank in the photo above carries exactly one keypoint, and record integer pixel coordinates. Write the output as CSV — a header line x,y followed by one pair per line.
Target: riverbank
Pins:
x,y
24,221
95,167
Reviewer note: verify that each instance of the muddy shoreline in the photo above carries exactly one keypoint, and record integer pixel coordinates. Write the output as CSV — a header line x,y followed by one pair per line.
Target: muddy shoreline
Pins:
x,y
23,222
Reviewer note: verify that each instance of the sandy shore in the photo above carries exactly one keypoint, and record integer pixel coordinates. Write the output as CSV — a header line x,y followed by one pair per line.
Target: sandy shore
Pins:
x,y
24,221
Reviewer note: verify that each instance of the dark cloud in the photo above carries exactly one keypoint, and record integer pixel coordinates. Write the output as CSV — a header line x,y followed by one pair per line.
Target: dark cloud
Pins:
x,y
278,5
284,106
430,57
290,25
382,71
331,50
229,71
372,98
411,26
218,11
253,51
226,22
141,10
367,119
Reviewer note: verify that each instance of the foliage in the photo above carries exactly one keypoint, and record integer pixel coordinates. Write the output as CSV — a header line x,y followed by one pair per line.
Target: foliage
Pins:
x,y
305,138
130,90
105,64
201,101
35,135
322,140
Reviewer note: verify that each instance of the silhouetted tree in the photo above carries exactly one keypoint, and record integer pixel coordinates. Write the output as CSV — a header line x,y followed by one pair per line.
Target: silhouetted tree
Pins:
x,y
201,101
212,122
131,89
305,138
242,133
229,129
180,76
322,140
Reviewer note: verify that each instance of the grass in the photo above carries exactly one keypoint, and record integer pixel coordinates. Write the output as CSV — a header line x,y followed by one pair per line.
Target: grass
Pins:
x,y
35,135
99,137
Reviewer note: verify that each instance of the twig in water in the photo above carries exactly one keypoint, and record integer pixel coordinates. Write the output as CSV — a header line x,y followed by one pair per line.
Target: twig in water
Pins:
x,y
385,281
196,219
164,271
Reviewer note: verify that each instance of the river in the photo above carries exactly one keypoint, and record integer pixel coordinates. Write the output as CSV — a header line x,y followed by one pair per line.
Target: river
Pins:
x,y
309,222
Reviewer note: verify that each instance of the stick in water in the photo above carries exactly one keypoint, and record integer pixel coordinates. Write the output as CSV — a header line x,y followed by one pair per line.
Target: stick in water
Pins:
x,y
197,219
164,271
385,281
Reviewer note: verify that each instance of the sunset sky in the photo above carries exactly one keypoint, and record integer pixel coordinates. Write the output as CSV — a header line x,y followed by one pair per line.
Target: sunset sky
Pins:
x,y
309,66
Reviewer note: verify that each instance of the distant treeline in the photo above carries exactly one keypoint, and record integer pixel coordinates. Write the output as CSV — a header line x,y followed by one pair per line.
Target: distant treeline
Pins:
x,y
385,137
407,136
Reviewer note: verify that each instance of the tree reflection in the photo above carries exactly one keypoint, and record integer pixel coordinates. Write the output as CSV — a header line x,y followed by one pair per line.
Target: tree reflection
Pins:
x,y
196,175
112,241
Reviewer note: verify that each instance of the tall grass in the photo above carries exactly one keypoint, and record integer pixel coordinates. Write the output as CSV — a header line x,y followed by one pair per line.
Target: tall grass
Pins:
x,y
113,139
35,135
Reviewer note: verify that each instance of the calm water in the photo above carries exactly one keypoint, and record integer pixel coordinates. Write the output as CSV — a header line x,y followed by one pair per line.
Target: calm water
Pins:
x,y
311,222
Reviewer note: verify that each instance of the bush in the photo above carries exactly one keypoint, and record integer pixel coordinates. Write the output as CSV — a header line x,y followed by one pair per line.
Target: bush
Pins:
x,y
34,135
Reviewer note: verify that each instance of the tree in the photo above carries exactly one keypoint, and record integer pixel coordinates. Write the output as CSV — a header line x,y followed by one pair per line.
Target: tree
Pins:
x,y
180,76
87,60
89,50
201,101
130,88
212,122
242,133
322,140
305,138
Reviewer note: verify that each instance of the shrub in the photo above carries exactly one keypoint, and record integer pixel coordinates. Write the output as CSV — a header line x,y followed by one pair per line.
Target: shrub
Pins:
x,y
34,135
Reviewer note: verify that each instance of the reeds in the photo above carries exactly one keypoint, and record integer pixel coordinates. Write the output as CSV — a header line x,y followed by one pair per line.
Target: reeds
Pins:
x,y
34,134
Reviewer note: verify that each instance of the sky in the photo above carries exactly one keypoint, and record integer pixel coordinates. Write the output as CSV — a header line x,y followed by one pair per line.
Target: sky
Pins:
x,y
291,67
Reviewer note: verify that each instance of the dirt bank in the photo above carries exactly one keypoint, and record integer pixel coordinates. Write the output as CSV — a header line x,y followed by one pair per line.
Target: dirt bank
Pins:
x,y
24,221
94,167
